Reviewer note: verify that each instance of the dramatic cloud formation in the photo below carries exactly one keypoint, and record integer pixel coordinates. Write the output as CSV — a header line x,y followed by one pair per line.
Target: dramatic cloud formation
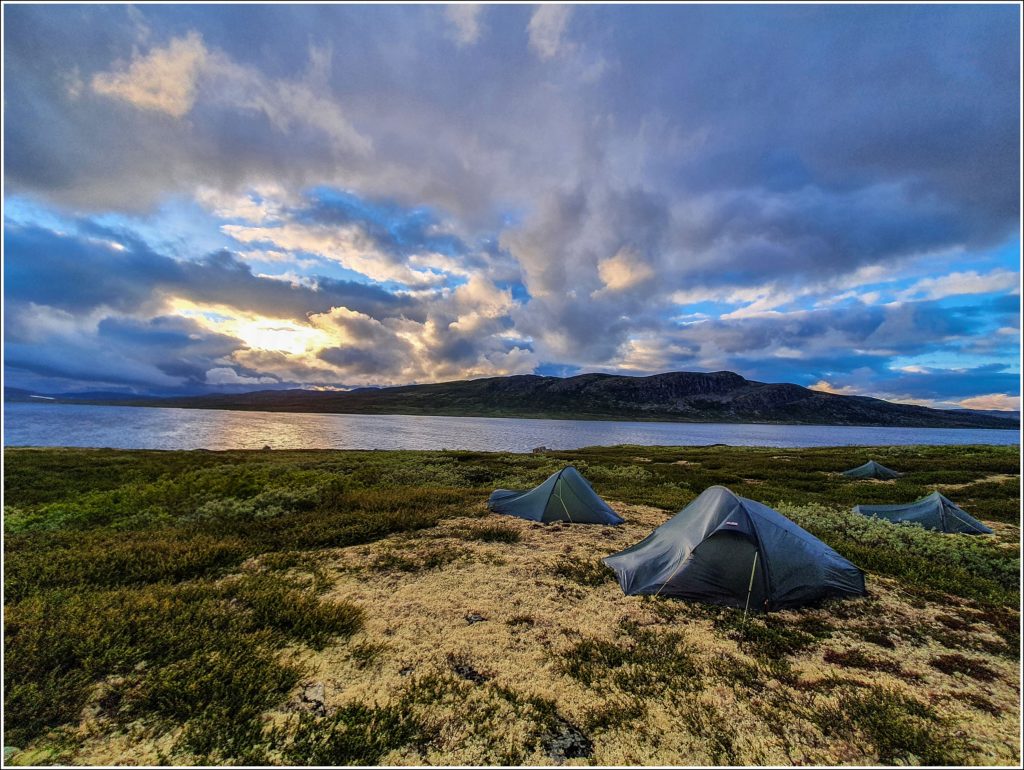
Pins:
x,y
207,198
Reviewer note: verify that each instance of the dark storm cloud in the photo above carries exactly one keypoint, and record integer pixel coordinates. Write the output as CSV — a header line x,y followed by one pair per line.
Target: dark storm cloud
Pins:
x,y
362,361
178,347
111,268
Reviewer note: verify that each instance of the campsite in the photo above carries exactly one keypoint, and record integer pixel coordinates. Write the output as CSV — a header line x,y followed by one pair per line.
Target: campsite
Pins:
x,y
343,607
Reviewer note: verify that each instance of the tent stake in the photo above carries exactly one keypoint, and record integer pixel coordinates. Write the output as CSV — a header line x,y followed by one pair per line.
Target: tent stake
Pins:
x,y
750,588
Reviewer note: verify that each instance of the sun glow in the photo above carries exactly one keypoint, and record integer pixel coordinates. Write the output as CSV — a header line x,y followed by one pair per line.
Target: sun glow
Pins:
x,y
280,336
277,335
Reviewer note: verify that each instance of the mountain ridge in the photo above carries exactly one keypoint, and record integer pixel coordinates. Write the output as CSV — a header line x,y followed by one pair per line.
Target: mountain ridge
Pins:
x,y
722,396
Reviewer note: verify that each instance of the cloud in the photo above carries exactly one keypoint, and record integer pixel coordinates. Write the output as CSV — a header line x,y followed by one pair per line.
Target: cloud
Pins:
x,y
1001,401
382,241
164,80
465,21
109,350
125,314
171,79
967,282
349,246
80,273
546,27
225,375
623,270
825,386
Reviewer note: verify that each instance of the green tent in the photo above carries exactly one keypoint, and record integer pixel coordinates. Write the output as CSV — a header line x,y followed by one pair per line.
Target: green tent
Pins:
x,y
565,496
872,470
932,512
728,550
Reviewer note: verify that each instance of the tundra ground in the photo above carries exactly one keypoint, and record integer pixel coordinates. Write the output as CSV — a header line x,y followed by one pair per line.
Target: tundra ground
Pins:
x,y
363,608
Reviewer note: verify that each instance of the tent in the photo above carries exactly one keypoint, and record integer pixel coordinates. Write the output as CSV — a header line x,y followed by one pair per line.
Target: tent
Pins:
x,y
725,549
565,496
872,470
933,512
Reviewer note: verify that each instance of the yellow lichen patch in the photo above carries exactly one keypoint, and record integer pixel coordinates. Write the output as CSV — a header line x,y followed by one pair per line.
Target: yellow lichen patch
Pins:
x,y
497,624
995,478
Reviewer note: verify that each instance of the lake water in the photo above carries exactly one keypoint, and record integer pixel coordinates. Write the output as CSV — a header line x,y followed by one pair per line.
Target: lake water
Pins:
x,y
159,428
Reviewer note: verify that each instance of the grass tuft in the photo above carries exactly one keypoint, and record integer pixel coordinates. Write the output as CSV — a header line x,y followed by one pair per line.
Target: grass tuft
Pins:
x,y
586,572
492,533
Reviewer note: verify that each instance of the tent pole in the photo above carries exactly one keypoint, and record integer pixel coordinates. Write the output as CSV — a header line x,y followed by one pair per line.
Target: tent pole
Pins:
x,y
558,494
750,588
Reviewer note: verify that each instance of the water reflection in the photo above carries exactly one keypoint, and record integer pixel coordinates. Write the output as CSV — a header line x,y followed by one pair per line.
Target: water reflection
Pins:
x,y
152,428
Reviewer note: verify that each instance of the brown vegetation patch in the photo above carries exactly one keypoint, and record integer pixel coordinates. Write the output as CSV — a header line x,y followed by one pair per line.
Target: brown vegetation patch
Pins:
x,y
955,663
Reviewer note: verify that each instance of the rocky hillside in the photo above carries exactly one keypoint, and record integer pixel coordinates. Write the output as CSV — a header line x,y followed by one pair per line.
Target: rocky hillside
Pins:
x,y
673,396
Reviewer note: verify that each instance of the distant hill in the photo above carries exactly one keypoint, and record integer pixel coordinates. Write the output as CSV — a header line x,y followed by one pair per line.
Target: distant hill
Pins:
x,y
1001,413
673,396
92,396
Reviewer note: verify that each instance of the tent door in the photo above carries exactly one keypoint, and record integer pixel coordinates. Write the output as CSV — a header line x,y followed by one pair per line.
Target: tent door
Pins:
x,y
561,503
719,570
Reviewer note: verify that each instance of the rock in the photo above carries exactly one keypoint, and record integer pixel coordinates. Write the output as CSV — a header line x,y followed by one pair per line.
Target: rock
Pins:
x,y
539,450
475,618
566,741
313,698
462,666
266,448
406,670
466,671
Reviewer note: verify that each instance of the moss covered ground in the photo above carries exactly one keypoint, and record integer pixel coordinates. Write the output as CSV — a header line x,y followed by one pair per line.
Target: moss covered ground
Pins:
x,y
336,607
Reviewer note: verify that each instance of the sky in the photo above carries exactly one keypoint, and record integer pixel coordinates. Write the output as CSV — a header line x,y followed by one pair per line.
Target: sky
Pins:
x,y
228,198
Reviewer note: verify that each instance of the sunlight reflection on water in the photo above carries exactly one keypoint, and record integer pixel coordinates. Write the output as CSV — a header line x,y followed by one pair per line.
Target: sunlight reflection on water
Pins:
x,y
157,428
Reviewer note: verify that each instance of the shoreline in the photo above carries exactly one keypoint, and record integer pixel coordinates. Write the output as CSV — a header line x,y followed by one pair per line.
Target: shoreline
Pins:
x,y
573,417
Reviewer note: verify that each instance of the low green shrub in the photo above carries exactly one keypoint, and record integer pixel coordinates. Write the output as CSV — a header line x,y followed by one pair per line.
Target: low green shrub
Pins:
x,y
902,730
638,662
491,533
961,565
354,735
298,613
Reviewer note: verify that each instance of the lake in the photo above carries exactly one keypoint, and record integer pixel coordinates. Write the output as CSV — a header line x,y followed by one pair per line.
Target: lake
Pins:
x,y
124,427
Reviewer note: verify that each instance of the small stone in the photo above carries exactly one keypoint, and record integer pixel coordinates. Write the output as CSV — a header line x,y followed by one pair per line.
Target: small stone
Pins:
x,y
462,667
406,670
475,618
567,741
313,696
